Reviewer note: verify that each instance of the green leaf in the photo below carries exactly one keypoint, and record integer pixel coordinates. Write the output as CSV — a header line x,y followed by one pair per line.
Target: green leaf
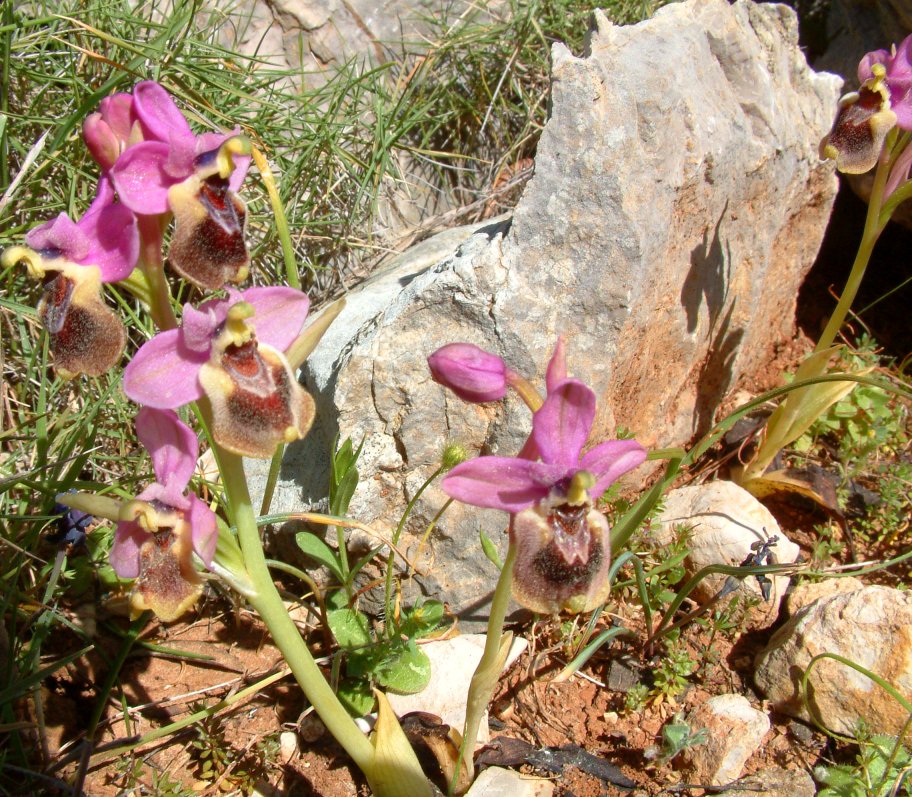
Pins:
x,y
319,551
405,672
421,619
356,696
344,477
490,550
349,627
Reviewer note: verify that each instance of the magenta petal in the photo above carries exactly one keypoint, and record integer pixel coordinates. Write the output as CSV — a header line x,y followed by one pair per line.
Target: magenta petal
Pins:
x,y
114,241
124,555
140,177
609,461
204,529
117,111
505,483
164,372
561,426
101,140
157,112
280,314
198,326
171,444
557,366
62,234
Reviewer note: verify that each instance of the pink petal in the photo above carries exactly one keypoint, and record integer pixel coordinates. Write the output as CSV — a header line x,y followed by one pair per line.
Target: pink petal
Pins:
x,y
140,177
113,236
124,555
157,112
557,366
101,140
171,444
280,314
117,111
561,426
164,372
62,234
865,71
204,529
611,460
198,326
505,483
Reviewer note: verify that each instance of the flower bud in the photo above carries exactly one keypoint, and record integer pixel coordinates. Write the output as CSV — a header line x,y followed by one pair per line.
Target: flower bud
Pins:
x,y
100,140
470,372
453,454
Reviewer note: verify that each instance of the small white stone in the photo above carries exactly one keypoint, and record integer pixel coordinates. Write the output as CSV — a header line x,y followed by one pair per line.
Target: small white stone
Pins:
x,y
288,746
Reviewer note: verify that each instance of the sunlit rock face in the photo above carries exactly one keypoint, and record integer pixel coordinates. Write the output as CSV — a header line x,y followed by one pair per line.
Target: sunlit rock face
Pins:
x,y
677,203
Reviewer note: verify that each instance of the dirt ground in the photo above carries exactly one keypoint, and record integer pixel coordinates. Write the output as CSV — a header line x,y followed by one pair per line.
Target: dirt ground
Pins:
x,y
584,711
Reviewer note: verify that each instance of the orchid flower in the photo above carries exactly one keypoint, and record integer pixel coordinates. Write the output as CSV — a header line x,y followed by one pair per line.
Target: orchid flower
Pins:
x,y
883,101
162,527
172,169
74,259
562,541
232,351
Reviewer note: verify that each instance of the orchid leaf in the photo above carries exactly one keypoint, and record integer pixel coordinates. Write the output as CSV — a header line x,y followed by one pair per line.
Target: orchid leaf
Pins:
x,y
394,771
801,407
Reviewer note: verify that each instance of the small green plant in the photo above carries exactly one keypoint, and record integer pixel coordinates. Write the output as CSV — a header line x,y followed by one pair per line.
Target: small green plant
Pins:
x,y
881,769
677,736
368,656
670,677
219,761
867,420
636,698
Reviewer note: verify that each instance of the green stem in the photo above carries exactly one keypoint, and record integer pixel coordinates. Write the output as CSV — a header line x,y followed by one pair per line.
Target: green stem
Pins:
x,y
388,587
481,688
268,604
151,231
869,236
291,266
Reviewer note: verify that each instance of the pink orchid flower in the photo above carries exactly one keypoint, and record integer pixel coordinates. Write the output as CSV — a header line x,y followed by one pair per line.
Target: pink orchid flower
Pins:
x,y
163,166
232,351
74,258
864,117
563,550
163,526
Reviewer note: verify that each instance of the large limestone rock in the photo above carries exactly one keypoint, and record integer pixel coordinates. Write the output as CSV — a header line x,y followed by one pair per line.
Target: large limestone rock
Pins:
x,y
871,627
677,203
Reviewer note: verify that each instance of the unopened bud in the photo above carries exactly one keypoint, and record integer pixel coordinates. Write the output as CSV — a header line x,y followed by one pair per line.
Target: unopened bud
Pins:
x,y
453,454
470,372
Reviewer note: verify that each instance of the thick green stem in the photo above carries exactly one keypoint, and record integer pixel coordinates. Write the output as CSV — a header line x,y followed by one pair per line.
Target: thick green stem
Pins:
x,y
151,231
481,688
268,604
869,236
